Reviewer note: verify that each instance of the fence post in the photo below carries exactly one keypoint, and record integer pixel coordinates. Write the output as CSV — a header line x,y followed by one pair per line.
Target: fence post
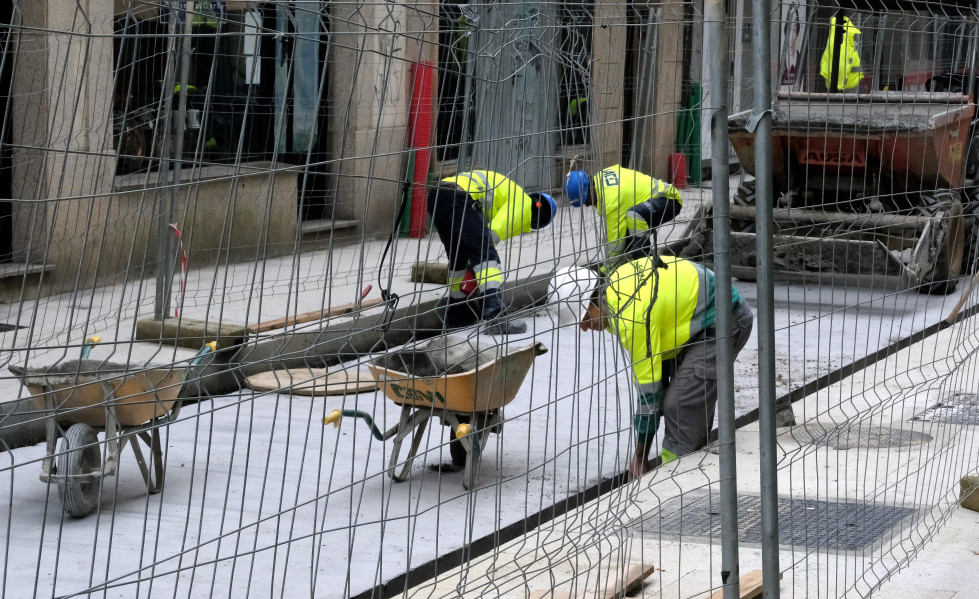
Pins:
x,y
762,119
717,43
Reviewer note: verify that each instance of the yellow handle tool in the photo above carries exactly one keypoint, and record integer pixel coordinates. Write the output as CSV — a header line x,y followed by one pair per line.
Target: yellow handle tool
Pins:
x,y
90,343
333,418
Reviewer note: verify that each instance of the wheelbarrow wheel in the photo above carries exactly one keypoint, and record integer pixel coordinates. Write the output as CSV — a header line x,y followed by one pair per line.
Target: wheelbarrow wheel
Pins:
x,y
79,454
458,451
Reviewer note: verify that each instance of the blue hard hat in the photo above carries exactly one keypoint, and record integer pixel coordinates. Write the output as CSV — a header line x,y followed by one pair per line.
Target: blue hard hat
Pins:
x,y
551,203
576,188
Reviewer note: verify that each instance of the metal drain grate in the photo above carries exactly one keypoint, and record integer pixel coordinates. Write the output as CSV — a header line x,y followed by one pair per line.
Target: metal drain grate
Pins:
x,y
959,408
814,524
853,437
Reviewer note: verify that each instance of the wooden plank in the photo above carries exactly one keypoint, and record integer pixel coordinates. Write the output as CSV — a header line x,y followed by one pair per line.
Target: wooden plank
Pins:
x,y
613,588
634,576
751,585
279,323
965,296
190,332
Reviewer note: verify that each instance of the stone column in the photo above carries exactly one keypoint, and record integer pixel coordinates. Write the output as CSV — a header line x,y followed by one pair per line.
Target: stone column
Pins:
x,y
61,123
372,48
668,89
606,102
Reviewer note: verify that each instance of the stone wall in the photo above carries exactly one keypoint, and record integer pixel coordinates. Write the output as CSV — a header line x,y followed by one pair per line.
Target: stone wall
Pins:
x,y
372,49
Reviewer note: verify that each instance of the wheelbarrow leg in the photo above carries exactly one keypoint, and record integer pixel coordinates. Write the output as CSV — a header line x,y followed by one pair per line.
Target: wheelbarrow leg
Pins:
x,y
475,442
154,480
115,440
51,431
416,420
471,473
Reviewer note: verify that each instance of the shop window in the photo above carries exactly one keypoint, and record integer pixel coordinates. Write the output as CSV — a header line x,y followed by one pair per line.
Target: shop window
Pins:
x,y
456,92
254,87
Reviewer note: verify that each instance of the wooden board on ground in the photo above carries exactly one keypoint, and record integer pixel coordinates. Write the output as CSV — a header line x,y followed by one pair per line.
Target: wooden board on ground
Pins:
x,y
313,381
634,576
614,587
280,323
751,585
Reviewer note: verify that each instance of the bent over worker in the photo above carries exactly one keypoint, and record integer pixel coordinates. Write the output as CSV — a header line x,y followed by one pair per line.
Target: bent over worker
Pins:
x,y
663,313
472,212
631,203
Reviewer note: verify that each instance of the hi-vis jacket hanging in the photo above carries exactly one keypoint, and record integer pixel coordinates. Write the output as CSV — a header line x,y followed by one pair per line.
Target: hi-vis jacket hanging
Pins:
x,y
850,73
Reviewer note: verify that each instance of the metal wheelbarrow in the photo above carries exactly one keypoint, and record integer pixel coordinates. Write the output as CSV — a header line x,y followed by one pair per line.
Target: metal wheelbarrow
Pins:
x,y
469,402
90,396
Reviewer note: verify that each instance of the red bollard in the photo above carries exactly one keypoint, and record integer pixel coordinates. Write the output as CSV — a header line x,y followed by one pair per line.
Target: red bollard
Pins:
x,y
420,130
678,170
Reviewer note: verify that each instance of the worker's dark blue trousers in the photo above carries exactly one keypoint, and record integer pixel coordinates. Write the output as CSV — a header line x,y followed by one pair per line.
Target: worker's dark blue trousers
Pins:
x,y
467,239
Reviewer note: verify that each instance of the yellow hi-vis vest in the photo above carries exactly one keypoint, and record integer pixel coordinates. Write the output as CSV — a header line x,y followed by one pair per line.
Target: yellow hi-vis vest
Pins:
x,y
506,207
683,307
850,72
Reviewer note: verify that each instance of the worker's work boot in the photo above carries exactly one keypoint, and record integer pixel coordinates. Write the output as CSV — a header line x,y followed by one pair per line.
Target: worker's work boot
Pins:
x,y
459,313
492,304
495,320
501,325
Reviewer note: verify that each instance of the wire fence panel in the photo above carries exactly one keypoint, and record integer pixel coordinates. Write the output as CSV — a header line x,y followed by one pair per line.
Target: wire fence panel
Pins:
x,y
374,299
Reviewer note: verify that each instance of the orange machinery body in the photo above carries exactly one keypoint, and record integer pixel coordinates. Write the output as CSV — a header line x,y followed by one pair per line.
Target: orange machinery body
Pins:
x,y
917,141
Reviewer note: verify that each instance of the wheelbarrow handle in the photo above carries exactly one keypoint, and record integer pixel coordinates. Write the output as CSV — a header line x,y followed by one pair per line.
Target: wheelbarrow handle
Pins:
x,y
464,429
89,345
208,348
335,415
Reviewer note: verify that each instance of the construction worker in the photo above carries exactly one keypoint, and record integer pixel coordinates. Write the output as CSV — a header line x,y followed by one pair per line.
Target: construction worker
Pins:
x,y
472,212
578,119
632,204
849,73
663,312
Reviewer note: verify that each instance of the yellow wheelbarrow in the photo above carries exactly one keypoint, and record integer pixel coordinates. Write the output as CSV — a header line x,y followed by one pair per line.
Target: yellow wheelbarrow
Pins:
x,y
470,402
91,396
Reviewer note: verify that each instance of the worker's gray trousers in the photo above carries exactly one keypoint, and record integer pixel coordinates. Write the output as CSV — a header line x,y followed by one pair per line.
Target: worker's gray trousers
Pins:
x,y
691,392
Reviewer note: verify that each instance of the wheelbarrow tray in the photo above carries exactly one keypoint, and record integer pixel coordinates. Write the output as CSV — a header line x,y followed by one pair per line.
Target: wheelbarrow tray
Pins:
x,y
488,387
81,388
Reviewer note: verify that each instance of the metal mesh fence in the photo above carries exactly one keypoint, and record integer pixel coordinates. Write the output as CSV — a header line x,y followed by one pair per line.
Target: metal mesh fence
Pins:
x,y
273,177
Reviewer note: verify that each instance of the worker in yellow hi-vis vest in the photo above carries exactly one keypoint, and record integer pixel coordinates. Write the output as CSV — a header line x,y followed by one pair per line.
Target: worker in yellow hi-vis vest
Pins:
x,y
632,204
472,212
663,312
850,73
